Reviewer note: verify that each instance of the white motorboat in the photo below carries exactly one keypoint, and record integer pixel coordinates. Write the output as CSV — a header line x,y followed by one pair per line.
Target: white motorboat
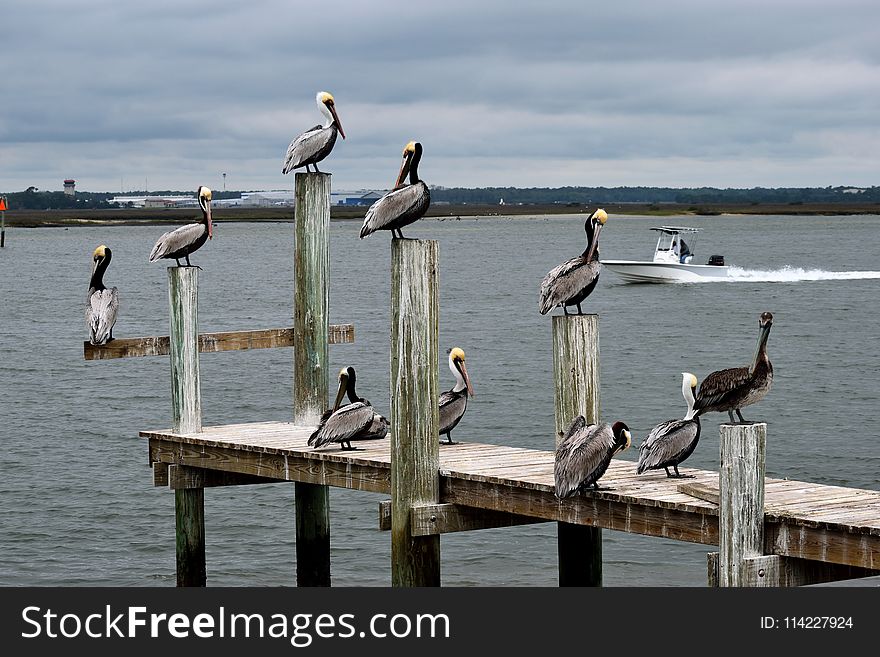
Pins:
x,y
672,263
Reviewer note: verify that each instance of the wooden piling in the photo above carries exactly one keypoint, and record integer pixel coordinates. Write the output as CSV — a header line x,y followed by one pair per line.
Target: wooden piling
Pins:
x,y
189,504
310,365
415,447
576,379
741,504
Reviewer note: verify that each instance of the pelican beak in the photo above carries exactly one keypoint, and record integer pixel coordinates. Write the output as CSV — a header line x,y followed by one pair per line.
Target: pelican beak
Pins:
x,y
210,223
594,243
404,169
332,108
467,379
343,384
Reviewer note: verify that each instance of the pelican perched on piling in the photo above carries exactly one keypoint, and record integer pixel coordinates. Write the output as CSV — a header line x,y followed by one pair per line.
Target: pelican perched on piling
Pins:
x,y
670,443
102,303
315,144
573,281
405,203
453,403
584,454
354,421
183,241
731,389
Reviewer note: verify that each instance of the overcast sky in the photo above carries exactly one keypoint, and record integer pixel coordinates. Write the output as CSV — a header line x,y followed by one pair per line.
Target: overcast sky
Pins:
x,y
724,93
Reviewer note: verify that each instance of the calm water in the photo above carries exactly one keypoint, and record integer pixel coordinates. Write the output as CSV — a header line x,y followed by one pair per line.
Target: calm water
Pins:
x,y
78,502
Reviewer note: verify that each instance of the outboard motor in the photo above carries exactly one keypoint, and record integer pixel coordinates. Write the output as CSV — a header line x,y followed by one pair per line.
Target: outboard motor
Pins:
x,y
717,260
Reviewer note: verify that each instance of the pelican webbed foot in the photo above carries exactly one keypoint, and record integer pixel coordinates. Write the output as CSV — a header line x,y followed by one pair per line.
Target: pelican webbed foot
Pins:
x,y
677,474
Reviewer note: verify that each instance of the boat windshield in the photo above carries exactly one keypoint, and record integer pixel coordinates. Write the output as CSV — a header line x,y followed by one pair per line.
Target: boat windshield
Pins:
x,y
671,245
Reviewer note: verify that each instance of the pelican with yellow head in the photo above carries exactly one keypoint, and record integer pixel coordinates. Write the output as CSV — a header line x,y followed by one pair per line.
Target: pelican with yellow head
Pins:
x,y
315,144
453,403
671,442
183,241
102,303
404,204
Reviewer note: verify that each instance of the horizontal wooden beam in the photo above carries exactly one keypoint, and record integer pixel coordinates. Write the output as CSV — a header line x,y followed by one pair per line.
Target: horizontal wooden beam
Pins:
x,y
703,492
774,570
274,466
160,474
181,477
209,342
435,519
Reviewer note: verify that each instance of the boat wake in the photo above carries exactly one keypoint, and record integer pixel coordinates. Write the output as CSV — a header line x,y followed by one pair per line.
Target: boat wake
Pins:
x,y
793,275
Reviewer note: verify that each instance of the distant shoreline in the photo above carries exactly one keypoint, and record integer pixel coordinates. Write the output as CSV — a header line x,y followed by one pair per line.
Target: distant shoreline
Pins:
x,y
158,216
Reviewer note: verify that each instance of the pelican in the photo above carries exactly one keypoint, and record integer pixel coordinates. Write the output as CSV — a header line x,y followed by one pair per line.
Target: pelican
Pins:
x,y
671,442
405,203
179,243
584,454
101,303
731,389
354,421
573,281
315,144
453,403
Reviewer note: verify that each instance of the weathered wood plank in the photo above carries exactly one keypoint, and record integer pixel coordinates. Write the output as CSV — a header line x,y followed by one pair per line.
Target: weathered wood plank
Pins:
x,y
415,448
773,570
186,397
159,345
436,519
311,364
705,492
576,386
160,473
183,477
741,505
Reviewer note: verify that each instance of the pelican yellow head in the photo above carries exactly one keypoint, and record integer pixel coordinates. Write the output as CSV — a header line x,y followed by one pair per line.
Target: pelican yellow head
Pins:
x,y
326,98
100,252
457,355
601,216
409,148
204,193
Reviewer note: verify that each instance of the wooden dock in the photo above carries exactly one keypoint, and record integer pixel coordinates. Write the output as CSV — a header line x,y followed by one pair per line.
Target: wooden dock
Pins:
x,y
831,524
770,532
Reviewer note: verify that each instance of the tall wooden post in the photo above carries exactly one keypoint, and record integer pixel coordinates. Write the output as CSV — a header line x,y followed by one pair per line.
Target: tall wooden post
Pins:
x,y
576,377
741,504
189,504
415,439
310,365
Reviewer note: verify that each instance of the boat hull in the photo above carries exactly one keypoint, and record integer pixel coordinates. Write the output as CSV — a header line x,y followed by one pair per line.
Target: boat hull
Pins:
x,y
637,271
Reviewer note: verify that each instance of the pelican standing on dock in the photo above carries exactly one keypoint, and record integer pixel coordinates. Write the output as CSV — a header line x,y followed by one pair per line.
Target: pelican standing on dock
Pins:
x,y
671,442
354,421
102,304
183,241
315,144
573,281
453,403
731,389
584,454
405,203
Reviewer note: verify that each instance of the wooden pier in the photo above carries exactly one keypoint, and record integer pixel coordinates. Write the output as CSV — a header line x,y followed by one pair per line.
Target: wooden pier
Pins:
x,y
770,532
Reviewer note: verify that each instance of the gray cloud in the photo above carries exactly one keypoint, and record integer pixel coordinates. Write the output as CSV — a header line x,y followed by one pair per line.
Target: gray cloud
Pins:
x,y
534,94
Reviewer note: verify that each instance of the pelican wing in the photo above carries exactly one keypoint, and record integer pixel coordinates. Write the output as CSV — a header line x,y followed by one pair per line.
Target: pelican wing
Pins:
x,y
397,206
582,458
378,428
668,442
101,309
567,281
452,408
342,425
720,386
175,240
307,146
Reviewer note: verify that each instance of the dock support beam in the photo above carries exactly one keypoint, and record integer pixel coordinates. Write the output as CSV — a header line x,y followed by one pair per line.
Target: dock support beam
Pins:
x,y
576,383
415,438
186,401
310,365
741,503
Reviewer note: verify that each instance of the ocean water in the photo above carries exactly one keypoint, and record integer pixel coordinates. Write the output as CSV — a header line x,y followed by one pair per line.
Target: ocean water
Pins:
x,y
78,505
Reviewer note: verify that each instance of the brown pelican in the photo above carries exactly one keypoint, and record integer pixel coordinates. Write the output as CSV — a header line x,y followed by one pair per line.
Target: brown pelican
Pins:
x,y
101,303
731,389
671,442
453,403
573,281
179,243
405,203
584,454
354,421
315,144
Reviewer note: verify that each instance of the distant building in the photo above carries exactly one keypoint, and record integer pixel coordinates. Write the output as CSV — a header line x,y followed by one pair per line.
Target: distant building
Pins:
x,y
360,197
70,187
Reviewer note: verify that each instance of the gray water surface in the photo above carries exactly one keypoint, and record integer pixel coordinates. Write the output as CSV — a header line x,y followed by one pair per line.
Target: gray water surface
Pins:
x,y
79,507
